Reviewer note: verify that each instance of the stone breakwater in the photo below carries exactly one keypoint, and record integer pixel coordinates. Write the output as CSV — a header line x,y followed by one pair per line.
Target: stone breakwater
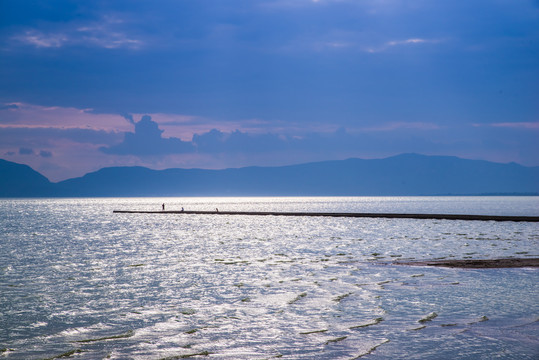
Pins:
x,y
350,215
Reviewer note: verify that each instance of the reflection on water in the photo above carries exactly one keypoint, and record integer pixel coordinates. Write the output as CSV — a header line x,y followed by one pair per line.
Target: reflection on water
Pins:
x,y
78,281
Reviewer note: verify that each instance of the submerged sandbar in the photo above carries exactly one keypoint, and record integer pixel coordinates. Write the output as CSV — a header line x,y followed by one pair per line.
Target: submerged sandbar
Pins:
x,y
476,263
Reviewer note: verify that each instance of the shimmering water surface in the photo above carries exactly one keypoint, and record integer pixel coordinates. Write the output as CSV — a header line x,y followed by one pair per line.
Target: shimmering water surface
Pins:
x,y
77,281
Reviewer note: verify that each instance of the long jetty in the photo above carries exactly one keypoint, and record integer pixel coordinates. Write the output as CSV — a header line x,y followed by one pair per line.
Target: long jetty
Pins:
x,y
349,215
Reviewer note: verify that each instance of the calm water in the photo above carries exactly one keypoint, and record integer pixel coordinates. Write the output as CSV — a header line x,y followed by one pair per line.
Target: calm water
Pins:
x,y
77,281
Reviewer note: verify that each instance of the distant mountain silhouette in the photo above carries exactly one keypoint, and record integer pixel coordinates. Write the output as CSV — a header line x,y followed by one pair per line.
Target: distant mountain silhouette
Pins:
x,y
17,180
407,174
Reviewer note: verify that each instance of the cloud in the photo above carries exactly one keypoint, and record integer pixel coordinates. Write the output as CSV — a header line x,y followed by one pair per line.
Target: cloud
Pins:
x,y
19,114
26,151
518,125
46,136
107,32
234,148
407,42
40,39
129,118
396,126
45,154
9,107
147,140
216,141
393,137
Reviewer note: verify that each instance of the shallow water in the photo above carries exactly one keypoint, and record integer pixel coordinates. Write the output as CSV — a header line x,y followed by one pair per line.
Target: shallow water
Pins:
x,y
78,281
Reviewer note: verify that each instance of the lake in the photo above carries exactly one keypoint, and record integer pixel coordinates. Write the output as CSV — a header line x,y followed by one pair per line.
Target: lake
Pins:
x,y
77,281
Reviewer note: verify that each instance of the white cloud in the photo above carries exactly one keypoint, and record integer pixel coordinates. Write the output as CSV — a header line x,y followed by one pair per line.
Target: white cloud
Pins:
x,y
406,42
109,33
513,125
41,40
104,34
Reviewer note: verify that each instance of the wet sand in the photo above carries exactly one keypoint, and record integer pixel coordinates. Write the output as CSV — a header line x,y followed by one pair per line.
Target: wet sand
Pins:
x,y
476,264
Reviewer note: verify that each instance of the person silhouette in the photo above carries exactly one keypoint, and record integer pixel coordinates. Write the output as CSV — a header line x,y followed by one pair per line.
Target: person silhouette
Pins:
x,y
163,206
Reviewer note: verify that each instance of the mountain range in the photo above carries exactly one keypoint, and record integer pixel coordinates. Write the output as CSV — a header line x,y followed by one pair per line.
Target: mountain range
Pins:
x,y
404,175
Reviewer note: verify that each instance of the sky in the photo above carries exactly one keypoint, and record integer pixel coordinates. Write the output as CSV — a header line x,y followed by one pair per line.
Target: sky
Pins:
x,y
217,84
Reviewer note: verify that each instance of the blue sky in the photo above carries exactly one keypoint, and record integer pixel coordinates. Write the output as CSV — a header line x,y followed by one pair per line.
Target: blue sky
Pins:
x,y
216,84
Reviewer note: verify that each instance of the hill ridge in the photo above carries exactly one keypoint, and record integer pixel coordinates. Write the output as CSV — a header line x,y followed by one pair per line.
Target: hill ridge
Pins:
x,y
401,175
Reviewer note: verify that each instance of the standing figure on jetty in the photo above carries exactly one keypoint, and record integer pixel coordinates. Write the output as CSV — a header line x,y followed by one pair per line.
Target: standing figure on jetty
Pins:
x,y
163,206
